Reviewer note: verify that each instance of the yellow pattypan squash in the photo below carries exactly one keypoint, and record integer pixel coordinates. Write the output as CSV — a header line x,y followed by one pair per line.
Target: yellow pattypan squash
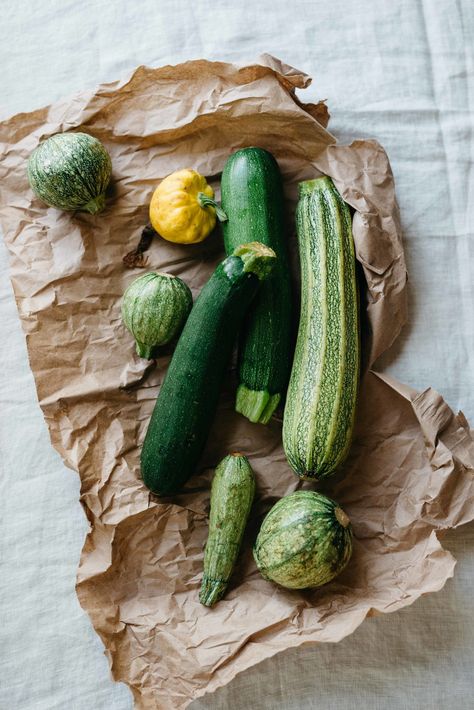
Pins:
x,y
183,209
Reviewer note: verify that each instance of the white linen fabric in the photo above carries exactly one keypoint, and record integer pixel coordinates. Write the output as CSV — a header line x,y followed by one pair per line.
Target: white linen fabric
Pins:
x,y
400,71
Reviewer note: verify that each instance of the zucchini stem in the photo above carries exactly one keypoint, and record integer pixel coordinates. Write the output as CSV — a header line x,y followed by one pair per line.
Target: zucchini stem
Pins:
x,y
145,351
257,406
206,201
258,259
96,205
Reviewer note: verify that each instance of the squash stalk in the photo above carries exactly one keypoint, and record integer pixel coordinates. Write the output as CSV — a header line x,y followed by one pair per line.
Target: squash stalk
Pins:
x,y
258,259
206,201
144,351
96,205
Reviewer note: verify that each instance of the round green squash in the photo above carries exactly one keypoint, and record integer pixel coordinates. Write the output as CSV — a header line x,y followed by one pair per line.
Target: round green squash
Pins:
x,y
154,309
70,171
304,541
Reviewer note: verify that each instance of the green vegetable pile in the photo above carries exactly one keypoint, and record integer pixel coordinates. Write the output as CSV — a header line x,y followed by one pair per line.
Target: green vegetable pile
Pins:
x,y
306,538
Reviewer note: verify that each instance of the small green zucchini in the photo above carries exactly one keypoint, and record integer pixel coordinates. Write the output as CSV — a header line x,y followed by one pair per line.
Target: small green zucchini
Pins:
x,y
154,309
322,393
188,397
304,541
232,493
70,171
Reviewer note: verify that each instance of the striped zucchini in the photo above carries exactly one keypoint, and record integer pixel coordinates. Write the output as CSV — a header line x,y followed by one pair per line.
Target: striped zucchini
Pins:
x,y
304,541
70,171
252,197
232,492
321,400
154,309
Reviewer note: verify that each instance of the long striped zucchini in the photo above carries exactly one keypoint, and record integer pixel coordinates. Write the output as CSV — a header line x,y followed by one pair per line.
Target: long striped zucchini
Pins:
x,y
321,400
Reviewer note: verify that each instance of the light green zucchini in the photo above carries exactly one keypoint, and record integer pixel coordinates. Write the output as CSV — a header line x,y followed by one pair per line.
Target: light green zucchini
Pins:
x,y
322,393
232,493
154,309
304,541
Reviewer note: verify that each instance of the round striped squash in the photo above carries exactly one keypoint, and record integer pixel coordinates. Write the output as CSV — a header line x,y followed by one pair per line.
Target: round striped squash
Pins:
x,y
154,309
70,171
304,541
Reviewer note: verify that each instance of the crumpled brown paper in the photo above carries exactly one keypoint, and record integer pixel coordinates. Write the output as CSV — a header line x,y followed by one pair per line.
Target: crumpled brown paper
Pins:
x,y
410,471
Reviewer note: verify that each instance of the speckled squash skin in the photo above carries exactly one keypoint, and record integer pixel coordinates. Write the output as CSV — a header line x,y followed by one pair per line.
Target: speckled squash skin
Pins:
x,y
154,309
188,397
70,171
252,198
304,541
232,493
322,393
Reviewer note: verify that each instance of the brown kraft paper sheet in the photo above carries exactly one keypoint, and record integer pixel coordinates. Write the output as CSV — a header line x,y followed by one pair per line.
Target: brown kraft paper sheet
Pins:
x,y
410,471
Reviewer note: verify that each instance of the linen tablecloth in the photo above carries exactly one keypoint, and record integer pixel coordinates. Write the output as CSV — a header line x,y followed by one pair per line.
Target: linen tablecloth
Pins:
x,y
401,72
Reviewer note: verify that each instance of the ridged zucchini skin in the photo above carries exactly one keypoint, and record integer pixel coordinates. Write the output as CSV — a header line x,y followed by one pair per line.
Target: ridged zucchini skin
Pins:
x,y
322,393
304,541
252,198
232,493
188,397
70,171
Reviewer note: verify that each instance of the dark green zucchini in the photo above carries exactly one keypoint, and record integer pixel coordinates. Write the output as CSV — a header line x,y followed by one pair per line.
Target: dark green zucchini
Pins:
x,y
188,397
252,197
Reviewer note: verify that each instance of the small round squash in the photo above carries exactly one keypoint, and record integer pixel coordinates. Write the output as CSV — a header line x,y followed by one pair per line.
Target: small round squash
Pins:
x,y
70,171
154,309
183,209
304,541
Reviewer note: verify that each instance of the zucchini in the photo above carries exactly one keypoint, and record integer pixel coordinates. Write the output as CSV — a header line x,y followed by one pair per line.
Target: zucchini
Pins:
x,y
154,309
70,171
232,493
304,541
322,393
188,397
252,198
